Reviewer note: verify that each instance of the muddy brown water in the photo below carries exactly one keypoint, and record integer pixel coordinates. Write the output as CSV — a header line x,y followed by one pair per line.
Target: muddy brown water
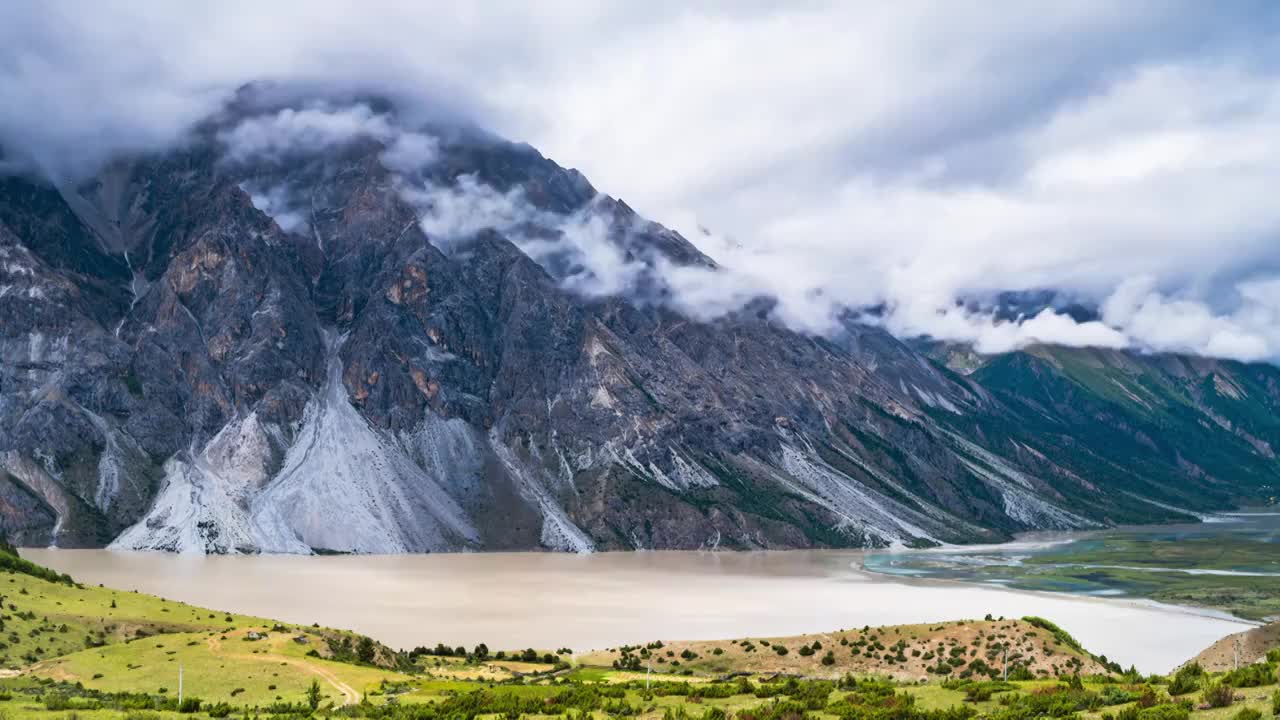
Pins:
x,y
544,600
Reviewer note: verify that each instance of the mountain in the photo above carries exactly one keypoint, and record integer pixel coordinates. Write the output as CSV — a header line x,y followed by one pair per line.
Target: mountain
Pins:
x,y
409,338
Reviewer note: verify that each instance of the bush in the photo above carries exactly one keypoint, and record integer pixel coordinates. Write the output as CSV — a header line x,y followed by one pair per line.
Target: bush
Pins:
x,y
1163,712
1218,695
1255,675
189,705
977,693
1187,679
1247,713
1059,634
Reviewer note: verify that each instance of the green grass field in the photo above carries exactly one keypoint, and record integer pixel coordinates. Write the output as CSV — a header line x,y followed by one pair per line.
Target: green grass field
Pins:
x,y
42,619
218,666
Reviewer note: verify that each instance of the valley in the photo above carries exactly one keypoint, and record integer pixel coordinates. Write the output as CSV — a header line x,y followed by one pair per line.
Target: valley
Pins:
x,y
639,361
1229,563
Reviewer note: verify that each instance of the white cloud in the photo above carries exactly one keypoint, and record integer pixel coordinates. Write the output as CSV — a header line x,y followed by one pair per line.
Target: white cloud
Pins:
x,y
277,202
455,213
1249,332
576,248
903,154
410,151
311,130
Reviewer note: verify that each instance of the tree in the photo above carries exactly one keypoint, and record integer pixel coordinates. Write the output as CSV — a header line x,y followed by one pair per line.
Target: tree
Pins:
x,y
313,695
365,650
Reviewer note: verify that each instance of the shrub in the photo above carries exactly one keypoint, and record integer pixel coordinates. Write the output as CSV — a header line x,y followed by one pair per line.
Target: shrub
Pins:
x,y
1059,634
1247,713
189,705
1218,695
366,651
977,693
1161,712
1255,675
829,658
1187,679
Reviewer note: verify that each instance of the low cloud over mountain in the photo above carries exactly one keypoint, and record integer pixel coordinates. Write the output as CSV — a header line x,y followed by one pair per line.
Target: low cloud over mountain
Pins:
x,y
907,159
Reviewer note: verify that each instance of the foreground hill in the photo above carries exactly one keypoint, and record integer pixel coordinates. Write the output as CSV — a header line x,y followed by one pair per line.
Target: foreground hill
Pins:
x,y
1242,648
407,339
1030,648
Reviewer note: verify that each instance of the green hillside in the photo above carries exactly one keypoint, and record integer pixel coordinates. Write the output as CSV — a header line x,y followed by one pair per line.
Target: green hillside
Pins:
x,y
1156,433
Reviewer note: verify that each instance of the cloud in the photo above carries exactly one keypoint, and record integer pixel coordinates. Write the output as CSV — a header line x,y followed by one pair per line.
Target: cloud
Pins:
x,y
411,151
280,204
903,156
578,249
455,213
1251,331
308,131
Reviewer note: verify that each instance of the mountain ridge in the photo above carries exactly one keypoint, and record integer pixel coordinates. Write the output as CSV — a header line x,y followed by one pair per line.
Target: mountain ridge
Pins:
x,y
183,373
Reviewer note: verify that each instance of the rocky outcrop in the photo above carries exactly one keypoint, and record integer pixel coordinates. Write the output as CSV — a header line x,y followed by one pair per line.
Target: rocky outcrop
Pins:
x,y
298,352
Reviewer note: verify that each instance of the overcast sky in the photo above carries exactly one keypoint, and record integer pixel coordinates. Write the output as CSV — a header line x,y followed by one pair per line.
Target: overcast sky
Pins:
x,y
839,153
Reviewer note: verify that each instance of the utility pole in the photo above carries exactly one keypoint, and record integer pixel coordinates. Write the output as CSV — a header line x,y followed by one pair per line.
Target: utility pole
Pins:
x,y
1237,651
179,685
648,673
1006,662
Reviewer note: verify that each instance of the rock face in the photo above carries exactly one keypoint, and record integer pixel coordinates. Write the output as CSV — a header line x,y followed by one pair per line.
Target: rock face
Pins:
x,y
334,349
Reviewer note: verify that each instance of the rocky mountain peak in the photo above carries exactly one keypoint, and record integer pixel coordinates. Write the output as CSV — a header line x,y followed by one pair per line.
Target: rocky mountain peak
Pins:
x,y
326,325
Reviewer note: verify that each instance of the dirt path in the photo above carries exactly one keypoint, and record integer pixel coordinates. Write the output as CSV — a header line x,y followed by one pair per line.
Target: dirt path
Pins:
x,y
349,694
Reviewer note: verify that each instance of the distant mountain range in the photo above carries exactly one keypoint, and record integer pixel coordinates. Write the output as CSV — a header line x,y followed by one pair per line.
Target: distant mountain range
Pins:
x,y
205,350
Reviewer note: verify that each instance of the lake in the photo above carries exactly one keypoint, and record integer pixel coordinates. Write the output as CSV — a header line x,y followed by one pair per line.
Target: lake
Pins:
x,y
545,600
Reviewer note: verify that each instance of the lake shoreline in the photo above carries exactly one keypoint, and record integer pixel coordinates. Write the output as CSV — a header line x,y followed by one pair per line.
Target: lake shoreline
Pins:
x,y
592,602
